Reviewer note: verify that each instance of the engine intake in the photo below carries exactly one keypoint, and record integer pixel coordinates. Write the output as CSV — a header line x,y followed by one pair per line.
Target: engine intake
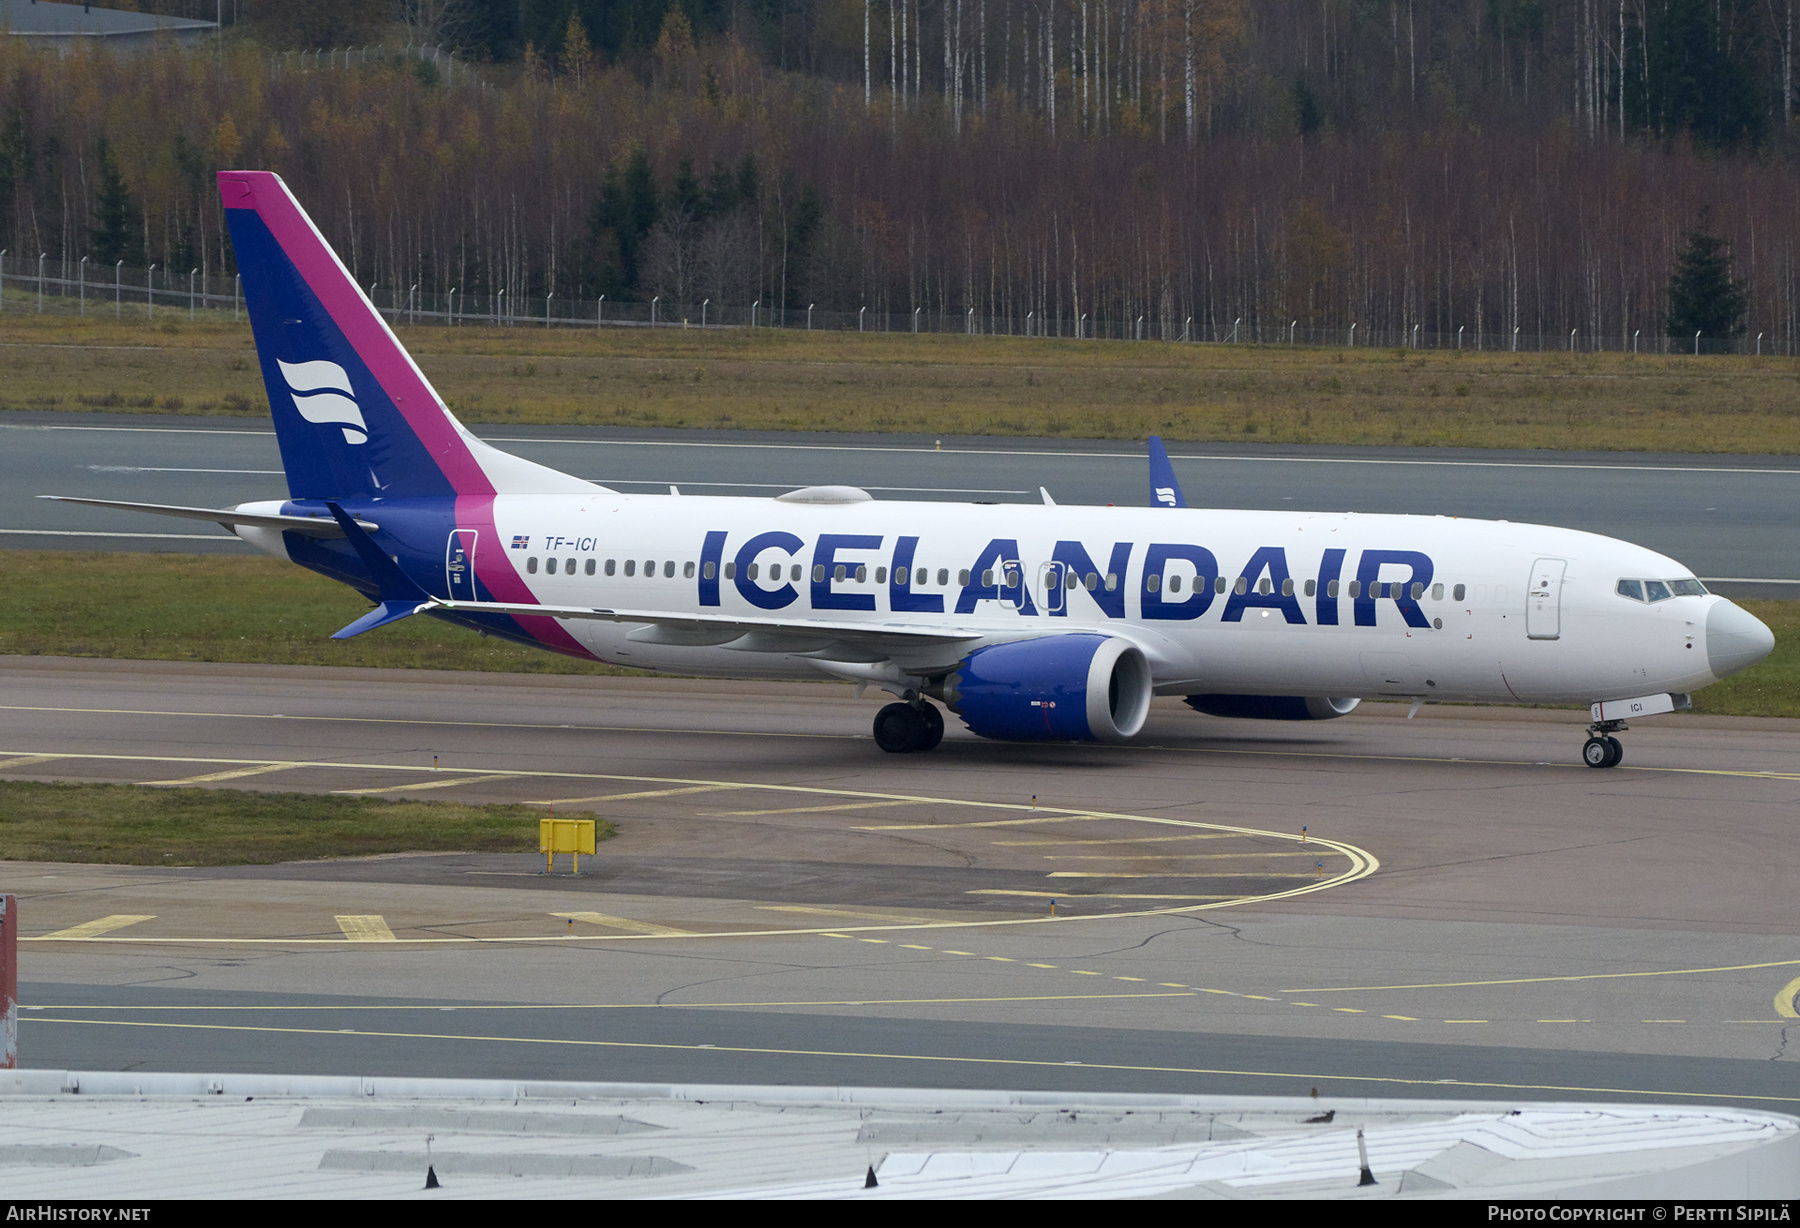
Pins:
x,y
1061,688
1273,707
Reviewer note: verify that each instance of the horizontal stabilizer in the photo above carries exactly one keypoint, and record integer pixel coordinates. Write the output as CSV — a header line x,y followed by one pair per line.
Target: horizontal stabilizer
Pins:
x,y
306,526
383,614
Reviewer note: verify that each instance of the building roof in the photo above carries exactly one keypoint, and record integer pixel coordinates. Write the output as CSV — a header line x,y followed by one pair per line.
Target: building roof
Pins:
x,y
41,19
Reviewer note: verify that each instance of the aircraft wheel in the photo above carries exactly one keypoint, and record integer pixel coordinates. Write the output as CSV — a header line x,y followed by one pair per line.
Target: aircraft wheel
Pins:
x,y
899,728
1596,753
934,726
1618,751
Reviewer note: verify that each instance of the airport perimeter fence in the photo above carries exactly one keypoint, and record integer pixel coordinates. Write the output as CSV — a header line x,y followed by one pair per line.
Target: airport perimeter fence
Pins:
x,y
80,287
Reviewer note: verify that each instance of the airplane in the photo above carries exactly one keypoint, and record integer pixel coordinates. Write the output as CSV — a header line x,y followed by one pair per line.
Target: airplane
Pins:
x,y
1030,623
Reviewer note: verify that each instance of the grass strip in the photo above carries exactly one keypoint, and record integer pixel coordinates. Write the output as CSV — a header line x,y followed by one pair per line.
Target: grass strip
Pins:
x,y
774,379
138,826
259,610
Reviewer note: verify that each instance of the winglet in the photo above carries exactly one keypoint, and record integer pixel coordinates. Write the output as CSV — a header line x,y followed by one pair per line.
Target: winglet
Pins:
x,y
400,596
1165,491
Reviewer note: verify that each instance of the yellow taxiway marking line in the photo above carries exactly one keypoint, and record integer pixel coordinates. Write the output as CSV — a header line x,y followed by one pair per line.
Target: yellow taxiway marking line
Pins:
x,y
1121,840
1022,1063
1538,980
20,761
720,814
1407,1018
431,784
102,925
1125,874
1362,863
843,912
1091,895
1081,817
371,928
29,1012
626,797
1180,856
228,774
1784,999
624,923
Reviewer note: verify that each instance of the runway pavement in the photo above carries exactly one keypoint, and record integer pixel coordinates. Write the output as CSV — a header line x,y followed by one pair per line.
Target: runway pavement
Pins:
x,y
784,903
1728,517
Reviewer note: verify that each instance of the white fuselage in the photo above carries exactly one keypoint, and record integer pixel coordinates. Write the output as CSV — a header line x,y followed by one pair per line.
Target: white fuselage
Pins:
x,y
1538,620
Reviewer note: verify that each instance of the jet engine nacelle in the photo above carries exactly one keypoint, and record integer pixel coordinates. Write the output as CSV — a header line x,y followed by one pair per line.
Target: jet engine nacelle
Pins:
x,y
1273,707
1060,688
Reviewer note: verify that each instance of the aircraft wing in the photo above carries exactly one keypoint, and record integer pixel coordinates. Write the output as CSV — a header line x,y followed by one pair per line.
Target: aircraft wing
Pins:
x,y
306,526
799,636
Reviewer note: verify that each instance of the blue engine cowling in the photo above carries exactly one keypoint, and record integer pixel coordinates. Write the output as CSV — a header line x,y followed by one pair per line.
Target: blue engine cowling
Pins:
x,y
1273,707
1060,688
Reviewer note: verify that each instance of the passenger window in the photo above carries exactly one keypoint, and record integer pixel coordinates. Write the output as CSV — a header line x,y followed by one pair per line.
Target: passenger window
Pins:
x,y
1331,589
1241,587
1092,581
1418,590
1459,592
1656,590
687,570
1112,581
568,567
731,571
880,574
549,567
838,575
819,573
1012,579
1153,582
752,571
900,574
1174,584
1070,579
1356,589
1437,592
590,567
531,567
1287,588
1312,587
795,572
708,570
631,567
1219,584
1633,589
609,567
944,577
1262,586
669,570
862,573
987,578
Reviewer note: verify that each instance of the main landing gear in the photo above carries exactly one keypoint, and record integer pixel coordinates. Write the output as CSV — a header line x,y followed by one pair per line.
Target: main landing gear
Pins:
x,y
904,727
1602,750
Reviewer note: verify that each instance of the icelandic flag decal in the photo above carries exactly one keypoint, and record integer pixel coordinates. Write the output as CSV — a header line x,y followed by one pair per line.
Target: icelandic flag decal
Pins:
x,y
521,541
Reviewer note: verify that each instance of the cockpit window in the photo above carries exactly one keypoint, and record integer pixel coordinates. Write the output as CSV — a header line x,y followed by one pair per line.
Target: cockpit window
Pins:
x,y
1660,590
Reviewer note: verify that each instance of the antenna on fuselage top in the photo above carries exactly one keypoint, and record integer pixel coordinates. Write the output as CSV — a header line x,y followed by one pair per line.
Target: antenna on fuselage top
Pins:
x,y
1165,491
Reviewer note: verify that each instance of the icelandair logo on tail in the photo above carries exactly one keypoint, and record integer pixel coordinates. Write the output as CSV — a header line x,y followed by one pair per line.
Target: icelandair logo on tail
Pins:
x,y
316,387
1166,494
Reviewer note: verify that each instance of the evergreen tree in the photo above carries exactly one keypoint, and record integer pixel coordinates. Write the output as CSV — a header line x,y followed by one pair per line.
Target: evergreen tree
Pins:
x,y
1703,296
115,235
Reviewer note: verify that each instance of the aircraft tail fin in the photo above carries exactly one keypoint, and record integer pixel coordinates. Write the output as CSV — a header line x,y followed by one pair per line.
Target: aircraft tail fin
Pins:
x,y
355,417
1165,491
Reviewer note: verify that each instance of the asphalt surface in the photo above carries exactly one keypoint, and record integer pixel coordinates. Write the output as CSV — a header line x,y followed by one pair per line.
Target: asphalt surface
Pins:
x,y
784,903
1728,517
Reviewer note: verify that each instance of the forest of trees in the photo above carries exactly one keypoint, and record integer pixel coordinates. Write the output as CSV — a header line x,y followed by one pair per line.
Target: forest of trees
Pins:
x,y
1485,165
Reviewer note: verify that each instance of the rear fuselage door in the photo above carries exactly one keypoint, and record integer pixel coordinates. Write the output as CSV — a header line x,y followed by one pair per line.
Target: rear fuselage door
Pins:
x,y
459,565
1543,600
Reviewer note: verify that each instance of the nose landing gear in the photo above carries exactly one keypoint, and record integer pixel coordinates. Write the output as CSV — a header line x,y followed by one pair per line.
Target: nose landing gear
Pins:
x,y
1602,750
905,727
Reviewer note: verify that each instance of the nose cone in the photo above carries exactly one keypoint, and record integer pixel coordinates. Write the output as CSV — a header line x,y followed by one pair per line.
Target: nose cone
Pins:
x,y
1735,639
